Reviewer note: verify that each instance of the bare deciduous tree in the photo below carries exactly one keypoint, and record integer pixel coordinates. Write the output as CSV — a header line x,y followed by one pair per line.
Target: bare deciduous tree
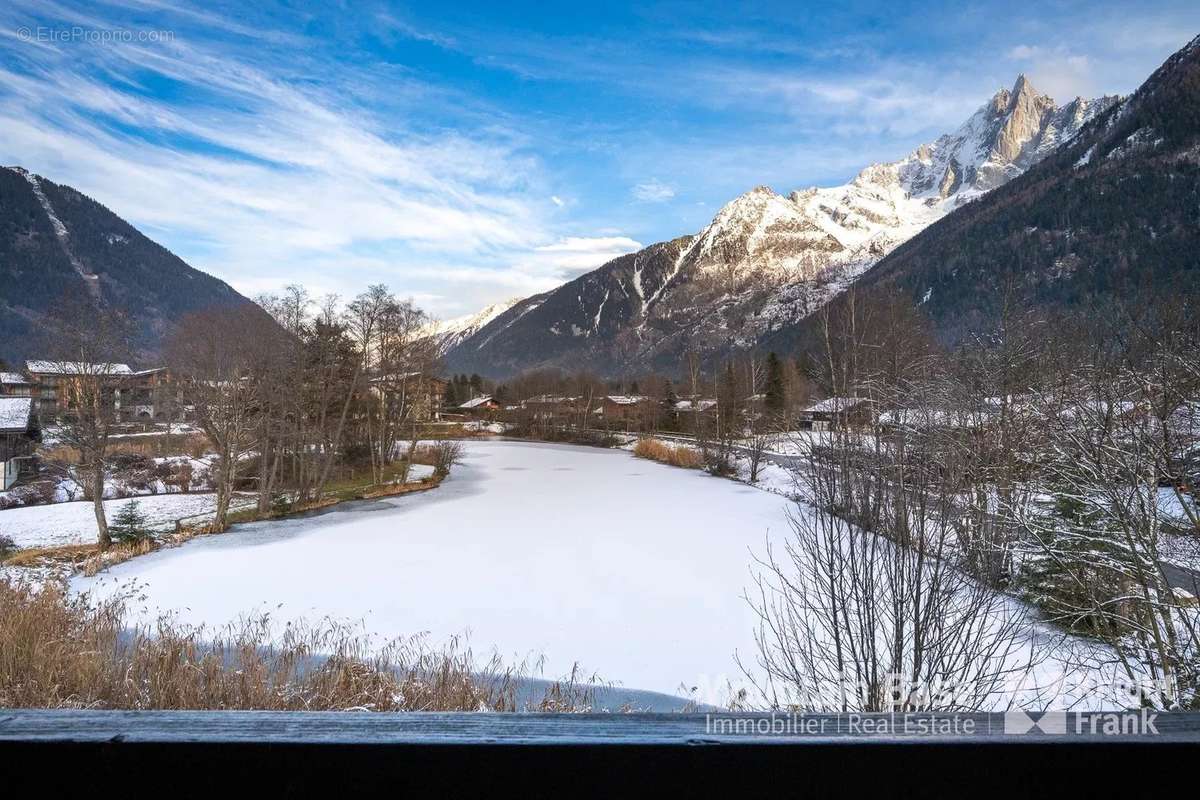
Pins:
x,y
216,357
874,614
87,343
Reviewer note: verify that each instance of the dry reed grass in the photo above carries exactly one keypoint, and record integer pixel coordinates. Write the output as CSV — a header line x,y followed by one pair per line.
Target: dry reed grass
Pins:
x,y
59,650
191,444
665,453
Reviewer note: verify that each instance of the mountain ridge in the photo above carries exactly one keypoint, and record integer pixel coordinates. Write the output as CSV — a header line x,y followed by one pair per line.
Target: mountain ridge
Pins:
x,y
1111,216
58,245
767,260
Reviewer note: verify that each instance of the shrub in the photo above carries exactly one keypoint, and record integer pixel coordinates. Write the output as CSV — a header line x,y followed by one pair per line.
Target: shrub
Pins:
x,y
356,455
70,651
7,547
124,461
445,454
719,461
282,503
31,494
665,453
175,473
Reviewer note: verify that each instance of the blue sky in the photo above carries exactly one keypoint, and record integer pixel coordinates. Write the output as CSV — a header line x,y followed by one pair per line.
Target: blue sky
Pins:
x,y
464,153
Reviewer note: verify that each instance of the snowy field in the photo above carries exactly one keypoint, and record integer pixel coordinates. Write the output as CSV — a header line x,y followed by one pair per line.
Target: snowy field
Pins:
x,y
59,524
633,569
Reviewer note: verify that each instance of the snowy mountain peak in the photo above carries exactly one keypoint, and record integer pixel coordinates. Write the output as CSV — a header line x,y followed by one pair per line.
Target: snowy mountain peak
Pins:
x,y
766,260
760,232
452,331
816,240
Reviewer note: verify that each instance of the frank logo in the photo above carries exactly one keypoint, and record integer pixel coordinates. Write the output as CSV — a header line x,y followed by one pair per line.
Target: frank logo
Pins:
x,y
1049,722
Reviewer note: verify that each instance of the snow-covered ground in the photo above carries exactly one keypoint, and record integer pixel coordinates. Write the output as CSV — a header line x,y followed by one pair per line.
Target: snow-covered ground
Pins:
x,y
65,523
75,523
631,568
485,427
634,569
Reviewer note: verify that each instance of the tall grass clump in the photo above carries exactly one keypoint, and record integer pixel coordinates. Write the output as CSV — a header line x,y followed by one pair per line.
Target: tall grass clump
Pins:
x,y
665,453
59,650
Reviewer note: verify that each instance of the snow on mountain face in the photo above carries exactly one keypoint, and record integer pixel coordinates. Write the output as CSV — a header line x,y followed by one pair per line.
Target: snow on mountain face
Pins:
x,y
1135,162
767,260
1001,140
887,204
59,247
797,238
452,332
60,230
762,233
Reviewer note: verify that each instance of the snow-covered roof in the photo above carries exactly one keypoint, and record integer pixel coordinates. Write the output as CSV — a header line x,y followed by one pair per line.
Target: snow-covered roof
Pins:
x,y
77,368
695,405
834,404
15,413
11,378
477,402
550,398
625,399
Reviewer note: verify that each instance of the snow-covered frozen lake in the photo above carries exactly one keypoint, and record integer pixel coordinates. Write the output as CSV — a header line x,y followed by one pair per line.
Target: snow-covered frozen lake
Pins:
x,y
633,569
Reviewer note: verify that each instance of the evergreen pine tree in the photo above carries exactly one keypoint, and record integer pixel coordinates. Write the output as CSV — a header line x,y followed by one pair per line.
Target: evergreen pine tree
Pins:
x,y
727,399
776,398
670,398
1054,584
129,525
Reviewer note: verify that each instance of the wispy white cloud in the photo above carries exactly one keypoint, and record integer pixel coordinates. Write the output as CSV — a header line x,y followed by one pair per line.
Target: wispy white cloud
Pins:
x,y
653,191
575,255
264,178
260,154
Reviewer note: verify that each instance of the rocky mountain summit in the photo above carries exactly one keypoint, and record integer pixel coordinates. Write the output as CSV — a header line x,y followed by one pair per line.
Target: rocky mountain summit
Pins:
x,y
767,260
452,332
1107,214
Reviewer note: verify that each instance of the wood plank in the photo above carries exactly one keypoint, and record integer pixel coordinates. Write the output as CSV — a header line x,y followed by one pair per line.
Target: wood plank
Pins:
x,y
580,729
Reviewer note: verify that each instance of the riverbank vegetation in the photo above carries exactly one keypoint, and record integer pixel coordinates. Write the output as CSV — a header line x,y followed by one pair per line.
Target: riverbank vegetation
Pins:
x,y
60,650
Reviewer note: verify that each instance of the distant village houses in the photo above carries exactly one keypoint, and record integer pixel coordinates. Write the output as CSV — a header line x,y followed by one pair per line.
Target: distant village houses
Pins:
x,y
838,413
20,433
133,395
483,406
554,406
421,393
693,414
628,410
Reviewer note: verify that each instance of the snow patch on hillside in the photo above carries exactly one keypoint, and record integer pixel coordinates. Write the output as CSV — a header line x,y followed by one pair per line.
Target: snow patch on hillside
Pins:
x,y
452,332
